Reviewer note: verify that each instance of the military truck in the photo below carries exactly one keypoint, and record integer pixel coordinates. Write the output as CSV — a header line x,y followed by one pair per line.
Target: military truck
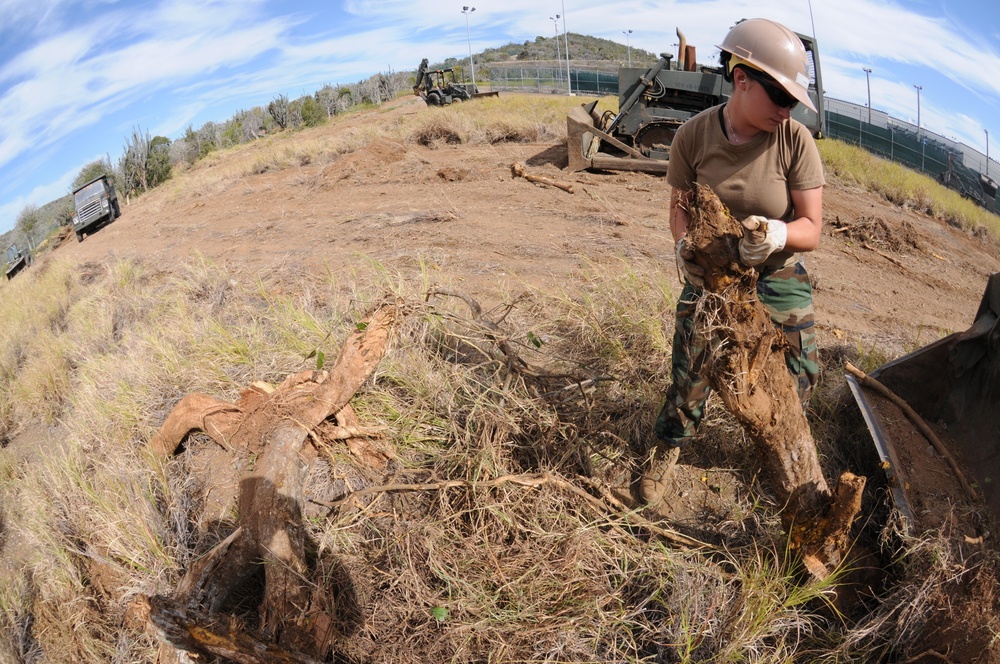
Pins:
x,y
96,205
16,261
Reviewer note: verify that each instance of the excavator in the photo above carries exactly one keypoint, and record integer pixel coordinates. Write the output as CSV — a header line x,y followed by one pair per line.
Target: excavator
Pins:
x,y
654,102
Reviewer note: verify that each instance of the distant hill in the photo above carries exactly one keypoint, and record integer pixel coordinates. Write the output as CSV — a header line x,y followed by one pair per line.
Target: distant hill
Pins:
x,y
581,48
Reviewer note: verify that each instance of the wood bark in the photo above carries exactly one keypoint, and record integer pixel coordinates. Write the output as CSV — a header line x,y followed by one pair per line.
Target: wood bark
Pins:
x,y
746,366
278,423
519,170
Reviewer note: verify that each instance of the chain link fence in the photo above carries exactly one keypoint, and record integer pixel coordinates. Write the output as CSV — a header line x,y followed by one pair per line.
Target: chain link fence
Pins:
x,y
549,77
951,163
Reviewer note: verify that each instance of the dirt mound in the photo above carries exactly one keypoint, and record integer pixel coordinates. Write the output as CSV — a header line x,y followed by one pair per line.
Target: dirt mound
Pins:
x,y
877,232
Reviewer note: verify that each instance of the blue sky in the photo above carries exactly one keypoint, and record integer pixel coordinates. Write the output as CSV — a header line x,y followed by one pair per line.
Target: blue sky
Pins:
x,y
76,76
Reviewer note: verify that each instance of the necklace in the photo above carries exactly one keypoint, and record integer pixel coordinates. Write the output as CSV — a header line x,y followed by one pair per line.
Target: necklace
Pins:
x,y
732,129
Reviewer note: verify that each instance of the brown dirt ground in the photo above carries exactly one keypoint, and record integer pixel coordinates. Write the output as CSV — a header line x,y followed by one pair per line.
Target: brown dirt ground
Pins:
x,y
460,208
885,277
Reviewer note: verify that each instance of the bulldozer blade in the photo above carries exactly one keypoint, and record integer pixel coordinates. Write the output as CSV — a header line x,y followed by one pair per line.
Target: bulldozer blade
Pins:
x,y
584,140
580,136
954,381
479,95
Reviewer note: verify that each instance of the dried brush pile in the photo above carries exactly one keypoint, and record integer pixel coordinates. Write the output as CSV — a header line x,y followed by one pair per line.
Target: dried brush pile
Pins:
x,y
485,525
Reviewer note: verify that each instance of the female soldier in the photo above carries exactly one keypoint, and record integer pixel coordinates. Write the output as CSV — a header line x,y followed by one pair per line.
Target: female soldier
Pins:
x,y
761,164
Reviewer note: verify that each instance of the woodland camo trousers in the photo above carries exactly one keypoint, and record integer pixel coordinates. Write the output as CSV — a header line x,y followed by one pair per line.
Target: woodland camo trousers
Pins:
x,y
786,293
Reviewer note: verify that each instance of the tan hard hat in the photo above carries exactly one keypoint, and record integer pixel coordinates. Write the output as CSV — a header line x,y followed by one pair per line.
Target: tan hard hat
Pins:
x,y
775,50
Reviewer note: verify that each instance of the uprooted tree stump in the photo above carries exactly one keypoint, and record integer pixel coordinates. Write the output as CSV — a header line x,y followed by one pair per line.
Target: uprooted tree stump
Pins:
x,y
746,366
276,424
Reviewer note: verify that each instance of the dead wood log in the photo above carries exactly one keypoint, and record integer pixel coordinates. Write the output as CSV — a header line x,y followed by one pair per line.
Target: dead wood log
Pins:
x,y
746,367
192,630
280,423
520,171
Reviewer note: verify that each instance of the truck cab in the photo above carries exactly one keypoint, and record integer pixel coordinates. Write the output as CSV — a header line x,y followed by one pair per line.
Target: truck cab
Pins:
x,y
95,204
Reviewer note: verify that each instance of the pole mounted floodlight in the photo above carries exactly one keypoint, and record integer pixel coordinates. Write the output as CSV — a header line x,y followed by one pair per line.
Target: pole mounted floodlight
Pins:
x,y
555,25
569,84
468,36
919,88
868,80
628,45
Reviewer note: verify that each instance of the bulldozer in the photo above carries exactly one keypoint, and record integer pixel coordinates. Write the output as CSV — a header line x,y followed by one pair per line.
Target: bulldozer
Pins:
x,y
437,89
653,103
16,261
440,87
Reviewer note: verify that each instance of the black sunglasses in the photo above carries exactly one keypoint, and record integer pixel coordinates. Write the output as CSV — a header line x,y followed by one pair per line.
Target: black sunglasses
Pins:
x,y
774,92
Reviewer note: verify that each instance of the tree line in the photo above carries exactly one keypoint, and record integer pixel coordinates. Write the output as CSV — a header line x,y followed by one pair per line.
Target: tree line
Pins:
x,y
148,161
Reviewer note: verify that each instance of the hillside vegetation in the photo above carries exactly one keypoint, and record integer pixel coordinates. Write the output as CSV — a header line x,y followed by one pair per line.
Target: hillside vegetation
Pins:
x,y
281,113
487,532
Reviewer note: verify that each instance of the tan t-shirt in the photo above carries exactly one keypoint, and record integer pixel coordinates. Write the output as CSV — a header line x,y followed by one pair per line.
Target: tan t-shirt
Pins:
x,y
756,177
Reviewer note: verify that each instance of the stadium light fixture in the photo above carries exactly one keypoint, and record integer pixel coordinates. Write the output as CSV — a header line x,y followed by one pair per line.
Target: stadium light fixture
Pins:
x,y
468,36
868,80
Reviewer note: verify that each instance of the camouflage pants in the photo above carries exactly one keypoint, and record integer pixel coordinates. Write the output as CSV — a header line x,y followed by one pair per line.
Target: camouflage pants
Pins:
x,y
786,293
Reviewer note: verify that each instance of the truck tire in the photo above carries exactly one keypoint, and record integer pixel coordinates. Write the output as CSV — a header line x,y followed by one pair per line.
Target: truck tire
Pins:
x,y
116,208
79,237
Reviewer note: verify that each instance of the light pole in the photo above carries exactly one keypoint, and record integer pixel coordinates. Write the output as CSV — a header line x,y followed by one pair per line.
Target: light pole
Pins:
x,y
987,152
919,88
628,45
468,36
555,25
868,80
569,84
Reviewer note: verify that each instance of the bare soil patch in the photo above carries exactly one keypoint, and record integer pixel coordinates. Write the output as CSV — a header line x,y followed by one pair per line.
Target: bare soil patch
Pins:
x,y
460,208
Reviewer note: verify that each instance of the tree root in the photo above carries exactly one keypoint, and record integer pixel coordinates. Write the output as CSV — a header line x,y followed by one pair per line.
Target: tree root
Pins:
x,y
279,423
746,366
605,505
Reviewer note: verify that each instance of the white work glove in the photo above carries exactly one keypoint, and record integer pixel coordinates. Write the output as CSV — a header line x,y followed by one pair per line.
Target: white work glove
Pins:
x,y
691,271
761,238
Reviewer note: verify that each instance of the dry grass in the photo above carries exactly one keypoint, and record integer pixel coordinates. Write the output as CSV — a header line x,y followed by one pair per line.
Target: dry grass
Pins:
x,y
906,187
507,573
92,359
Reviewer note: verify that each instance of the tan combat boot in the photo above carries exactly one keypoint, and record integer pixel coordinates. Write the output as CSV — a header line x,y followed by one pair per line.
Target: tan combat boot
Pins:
x,y
661,461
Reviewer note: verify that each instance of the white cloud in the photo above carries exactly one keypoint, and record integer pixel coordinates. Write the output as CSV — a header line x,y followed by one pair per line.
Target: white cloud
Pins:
x,y
191,57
